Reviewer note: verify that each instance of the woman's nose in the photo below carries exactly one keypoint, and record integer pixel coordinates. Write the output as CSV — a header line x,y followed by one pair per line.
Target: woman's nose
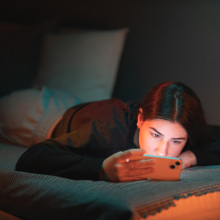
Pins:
x,y
161,149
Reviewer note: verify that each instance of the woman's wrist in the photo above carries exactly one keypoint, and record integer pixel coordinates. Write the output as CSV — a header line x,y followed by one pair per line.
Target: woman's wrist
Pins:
x,y
188,159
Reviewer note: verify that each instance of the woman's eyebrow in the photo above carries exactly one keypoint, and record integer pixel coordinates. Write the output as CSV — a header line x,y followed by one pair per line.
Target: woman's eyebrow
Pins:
x,y
156,131
181,138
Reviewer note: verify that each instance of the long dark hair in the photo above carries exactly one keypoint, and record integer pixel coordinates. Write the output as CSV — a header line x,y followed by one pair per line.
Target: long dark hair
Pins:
x,y
175,101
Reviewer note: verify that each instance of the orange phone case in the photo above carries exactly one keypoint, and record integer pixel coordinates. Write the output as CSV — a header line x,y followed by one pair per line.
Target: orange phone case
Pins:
x,y
166,168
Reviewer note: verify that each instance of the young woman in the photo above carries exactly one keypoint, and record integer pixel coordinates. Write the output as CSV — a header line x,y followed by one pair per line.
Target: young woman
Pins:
x,y
98,140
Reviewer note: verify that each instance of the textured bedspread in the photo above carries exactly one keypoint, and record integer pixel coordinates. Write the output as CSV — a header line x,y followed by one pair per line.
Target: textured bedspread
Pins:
x,y
33,196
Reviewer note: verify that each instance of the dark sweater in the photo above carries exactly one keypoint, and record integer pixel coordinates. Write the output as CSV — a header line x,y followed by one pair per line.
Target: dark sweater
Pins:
x,y
89,133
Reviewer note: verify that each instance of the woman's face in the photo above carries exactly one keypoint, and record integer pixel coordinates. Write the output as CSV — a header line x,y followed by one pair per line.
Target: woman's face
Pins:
x,y
161,137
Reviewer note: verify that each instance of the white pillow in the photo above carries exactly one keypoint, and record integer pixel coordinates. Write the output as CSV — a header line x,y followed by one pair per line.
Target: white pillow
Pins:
x,y
83,63
29,116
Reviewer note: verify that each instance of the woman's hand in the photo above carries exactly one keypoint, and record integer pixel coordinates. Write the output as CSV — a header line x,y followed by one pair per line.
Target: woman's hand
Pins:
x,y
124,166
188,159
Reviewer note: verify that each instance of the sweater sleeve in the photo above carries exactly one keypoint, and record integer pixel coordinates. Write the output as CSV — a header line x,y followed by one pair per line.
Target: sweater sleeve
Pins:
x,y
94,132
60,157
208,154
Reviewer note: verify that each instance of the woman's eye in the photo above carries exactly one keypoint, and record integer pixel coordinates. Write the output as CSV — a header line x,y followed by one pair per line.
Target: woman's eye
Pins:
x,y
155,135
176,142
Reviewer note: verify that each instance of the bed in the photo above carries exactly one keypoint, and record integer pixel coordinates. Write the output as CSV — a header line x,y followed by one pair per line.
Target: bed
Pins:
x,y
27,196
34,196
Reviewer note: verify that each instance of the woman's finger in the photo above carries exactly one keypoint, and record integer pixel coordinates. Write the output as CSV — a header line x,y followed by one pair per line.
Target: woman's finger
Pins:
x,y
138,174
138,164
129,154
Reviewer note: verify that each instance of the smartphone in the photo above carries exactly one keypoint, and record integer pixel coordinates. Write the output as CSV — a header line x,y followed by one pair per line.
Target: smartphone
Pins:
x,y
165,168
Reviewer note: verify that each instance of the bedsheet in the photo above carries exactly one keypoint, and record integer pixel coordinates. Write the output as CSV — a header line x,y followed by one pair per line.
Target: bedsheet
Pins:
x,y
34,196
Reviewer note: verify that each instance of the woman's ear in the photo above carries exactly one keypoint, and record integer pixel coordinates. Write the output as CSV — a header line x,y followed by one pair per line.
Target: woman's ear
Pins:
x,y
140,118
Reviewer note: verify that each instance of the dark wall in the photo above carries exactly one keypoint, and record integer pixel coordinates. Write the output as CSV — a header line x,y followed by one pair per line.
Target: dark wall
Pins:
x,y
168,40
